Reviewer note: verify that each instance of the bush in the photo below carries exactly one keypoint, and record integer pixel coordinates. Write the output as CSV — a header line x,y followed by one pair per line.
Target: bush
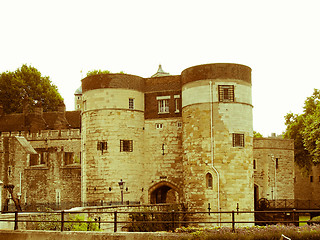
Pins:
x,y
149,221
52,221
81,224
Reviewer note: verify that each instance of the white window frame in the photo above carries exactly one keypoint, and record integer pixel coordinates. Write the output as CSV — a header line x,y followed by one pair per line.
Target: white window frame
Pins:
x,y
159,125
177,103
163,105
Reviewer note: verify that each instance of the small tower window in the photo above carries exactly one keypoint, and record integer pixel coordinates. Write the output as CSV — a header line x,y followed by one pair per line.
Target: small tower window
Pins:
x,y
131,103
237,140
209,180
126,146
226,93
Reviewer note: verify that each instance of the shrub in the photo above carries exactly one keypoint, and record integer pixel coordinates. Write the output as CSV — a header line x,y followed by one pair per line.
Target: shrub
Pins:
x,y
149,221
80,224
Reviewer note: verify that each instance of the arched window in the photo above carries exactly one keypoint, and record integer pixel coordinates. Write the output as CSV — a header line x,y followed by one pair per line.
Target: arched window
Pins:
x,y
209,180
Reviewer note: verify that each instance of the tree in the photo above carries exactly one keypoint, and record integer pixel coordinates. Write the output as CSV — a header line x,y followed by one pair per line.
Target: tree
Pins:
x,y
96,72
26,86
304,129
257,134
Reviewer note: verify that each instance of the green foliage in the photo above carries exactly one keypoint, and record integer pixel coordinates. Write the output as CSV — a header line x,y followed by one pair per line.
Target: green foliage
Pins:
x,y
81,224
304,129
257,134
24,86
96,72
52,221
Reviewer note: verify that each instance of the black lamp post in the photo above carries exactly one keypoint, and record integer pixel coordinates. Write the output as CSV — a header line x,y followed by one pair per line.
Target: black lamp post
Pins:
x,y
121,185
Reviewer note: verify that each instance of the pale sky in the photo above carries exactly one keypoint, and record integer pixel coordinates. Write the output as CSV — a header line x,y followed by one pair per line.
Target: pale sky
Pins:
x,y
278,39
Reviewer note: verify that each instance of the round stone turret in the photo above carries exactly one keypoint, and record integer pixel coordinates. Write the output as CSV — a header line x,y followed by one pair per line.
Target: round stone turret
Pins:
x,y
112,137
217,137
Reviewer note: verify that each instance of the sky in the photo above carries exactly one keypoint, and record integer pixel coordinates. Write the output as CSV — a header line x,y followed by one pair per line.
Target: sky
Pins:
x,y
278,39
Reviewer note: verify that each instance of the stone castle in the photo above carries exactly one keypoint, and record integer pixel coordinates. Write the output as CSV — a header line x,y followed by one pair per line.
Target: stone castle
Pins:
x,y
166,139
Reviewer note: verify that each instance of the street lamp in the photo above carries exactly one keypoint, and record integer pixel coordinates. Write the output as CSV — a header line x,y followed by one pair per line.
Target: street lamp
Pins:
x,y
121,185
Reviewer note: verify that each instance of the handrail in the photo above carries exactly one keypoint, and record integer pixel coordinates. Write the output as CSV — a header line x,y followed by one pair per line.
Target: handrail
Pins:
x,y
174,220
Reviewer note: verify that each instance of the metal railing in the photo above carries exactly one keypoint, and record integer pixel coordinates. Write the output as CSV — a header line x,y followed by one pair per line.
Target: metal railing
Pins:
x,y
172,220
294,204
31,207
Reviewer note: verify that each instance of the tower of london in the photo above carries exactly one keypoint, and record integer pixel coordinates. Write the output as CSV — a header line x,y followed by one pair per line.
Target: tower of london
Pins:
x,y
184,139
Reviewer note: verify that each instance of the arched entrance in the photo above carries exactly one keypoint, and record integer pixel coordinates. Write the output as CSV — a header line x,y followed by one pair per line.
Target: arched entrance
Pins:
x,y
163,192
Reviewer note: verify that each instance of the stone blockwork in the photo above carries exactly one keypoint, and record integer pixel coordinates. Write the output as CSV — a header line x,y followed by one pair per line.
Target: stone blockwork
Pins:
x,y
273,168
179,126
44,167
307,184
171,139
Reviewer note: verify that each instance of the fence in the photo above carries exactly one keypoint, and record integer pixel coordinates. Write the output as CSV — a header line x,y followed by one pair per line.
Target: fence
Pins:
x,y
31,207
294,204
172,219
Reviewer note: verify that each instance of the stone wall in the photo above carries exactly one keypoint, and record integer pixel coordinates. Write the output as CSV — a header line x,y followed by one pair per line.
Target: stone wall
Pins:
x,y
107,118
211,150
274,168
49,179
307,184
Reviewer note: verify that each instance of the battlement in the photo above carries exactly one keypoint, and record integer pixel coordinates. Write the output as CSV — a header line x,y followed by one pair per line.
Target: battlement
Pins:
x,y
45,134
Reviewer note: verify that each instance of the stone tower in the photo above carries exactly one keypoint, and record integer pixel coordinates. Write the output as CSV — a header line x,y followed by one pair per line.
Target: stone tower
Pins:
x,y
112,127
217,137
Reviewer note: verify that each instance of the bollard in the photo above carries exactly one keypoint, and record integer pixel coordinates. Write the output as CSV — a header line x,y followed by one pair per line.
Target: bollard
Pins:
x,y
62,220
115,221
16,220
233,223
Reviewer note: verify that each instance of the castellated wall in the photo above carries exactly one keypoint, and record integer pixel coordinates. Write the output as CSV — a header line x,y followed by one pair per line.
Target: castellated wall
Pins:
x,y
50,178
274,168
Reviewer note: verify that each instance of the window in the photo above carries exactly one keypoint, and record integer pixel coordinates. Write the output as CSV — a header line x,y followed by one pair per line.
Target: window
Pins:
x,y
177,103
85,105
209,180
163,104
179,124
126,146
131,103
226,93
237,140
311,178
254,165
102,146
159,125
277,163
38,159
68,158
